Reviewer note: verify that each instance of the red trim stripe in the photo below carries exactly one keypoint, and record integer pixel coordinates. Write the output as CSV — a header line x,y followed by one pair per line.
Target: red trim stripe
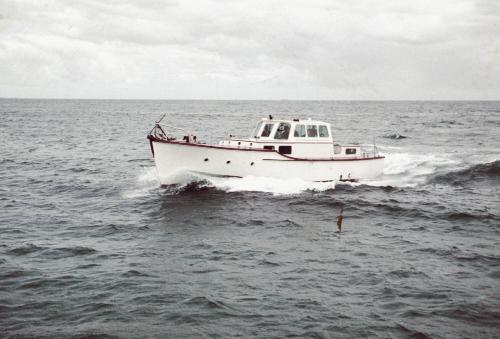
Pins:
x,y
338,159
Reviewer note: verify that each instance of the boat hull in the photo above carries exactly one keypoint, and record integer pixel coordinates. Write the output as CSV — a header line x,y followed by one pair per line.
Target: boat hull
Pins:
x,y
172,158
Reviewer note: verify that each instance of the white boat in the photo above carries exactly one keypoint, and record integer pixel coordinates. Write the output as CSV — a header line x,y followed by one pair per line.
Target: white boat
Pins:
x,y
283,149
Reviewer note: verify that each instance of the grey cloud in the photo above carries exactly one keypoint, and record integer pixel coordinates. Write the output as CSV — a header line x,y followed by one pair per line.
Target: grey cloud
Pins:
x,y
261,49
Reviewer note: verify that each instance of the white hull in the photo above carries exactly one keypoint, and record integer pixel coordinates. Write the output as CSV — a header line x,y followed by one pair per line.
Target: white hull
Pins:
x,y
172,158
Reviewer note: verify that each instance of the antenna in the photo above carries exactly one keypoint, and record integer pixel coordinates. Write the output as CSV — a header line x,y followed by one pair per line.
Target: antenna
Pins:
x,y
163,116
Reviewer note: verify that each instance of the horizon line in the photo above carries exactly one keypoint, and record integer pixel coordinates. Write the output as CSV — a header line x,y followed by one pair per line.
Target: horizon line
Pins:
x,y
200,99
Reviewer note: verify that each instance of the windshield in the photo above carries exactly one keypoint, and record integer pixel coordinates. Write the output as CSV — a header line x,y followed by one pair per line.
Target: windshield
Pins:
x,y
300,131
257,130
312,131
323,131
267,130
282,131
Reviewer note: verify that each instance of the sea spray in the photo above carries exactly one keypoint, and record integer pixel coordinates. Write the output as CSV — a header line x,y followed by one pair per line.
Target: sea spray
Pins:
x,y
145,182
410,170
269,185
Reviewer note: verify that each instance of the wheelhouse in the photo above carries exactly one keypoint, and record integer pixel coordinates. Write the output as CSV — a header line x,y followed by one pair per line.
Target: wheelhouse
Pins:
x,y
307,139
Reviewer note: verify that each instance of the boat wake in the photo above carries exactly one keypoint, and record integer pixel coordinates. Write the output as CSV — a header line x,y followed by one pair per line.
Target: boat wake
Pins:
x,y
146,182
411,170
269,185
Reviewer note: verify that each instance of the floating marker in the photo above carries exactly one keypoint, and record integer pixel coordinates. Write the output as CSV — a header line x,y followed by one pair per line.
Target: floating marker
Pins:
x,y
340,218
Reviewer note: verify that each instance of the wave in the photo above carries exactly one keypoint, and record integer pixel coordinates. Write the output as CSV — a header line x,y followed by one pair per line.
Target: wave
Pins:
x,y
26,249
451,122
146,182
249,184
478,172
186,182
395,136
269,185
410,170
53,253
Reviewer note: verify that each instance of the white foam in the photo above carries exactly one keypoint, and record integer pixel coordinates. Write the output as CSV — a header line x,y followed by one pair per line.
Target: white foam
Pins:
x,y
182,178
410,170
269,185
147,180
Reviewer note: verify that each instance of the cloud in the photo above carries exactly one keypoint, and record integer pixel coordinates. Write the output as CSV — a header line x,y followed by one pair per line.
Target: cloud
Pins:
x,y
250,49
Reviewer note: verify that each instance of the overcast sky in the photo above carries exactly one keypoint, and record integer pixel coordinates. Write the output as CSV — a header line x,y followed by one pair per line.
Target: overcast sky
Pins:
x,y
221,49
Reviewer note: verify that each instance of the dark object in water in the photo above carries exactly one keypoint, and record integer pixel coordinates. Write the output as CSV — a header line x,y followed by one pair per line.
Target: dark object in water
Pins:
x,y
395,136
348,179
340,218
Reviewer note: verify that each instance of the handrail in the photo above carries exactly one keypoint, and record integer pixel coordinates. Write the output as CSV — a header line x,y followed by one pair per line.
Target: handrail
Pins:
x,y
159,132
173,127
159,124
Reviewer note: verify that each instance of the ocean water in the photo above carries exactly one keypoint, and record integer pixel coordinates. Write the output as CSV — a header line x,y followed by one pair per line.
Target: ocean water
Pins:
x,y
90,245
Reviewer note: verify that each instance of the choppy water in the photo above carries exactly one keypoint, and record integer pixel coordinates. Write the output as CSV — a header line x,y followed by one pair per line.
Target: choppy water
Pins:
x,y
91,245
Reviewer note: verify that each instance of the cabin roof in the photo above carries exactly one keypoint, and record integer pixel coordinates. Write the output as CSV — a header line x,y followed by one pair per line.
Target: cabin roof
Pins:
x,y
298,121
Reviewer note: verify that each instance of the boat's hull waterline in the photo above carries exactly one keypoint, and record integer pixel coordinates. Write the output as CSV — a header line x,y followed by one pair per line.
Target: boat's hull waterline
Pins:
x,y
174,157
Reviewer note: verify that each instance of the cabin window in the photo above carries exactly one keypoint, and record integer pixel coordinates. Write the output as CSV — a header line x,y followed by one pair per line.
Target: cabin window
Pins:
x,y
350,151
285,149
312,131
257,130
267,130
282,131
300,131
269,147
323,131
